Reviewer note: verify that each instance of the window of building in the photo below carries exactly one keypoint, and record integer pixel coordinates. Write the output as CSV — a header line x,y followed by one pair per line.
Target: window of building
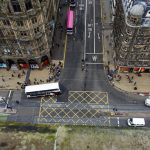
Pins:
x,y
23,33
28,4
34,20
148,40
16,5
9,33
6,22
41,48
2,42
36,30
8,8
19,23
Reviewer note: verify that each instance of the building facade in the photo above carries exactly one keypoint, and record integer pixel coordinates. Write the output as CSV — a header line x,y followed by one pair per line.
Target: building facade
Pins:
x,y
26,31
132,35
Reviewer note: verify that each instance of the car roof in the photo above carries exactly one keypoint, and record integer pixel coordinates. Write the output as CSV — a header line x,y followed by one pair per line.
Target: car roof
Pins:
x,y
148,100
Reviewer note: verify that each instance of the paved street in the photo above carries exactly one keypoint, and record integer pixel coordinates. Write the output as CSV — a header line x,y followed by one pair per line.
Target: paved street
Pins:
x,y
89,108
86,44
88,98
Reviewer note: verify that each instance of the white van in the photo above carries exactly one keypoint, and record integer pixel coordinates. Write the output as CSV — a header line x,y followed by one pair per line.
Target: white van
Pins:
x,y
147,102
136,122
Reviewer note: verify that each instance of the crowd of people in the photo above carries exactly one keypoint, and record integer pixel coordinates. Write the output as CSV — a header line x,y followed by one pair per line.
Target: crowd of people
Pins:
x,y
54,71
118,78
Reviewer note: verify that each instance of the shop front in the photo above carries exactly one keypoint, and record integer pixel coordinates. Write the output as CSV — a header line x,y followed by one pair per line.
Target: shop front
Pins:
x,y
33,64
22,64
125,69
44,61
2,64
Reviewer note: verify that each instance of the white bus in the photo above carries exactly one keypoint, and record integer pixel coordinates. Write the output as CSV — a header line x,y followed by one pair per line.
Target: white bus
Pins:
x,y
42,90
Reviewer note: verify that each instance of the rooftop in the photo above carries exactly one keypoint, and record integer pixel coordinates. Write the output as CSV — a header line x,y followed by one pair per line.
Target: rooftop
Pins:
x,y
137,12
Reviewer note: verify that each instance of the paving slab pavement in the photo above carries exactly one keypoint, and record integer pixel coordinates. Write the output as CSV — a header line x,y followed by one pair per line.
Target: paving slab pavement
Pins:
x,y
9,79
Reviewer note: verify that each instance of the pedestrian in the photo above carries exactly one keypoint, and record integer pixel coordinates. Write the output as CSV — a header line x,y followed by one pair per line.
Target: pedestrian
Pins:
x,y
19,75
17,102
130,81
127,76
57,44
12,75
115,109
23,72
83,67
3,79
134,83
135,88
117,80
53,45
132,77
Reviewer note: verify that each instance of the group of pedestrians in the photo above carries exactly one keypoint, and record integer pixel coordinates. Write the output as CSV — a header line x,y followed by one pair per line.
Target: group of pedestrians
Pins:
x,y
130,79
54,71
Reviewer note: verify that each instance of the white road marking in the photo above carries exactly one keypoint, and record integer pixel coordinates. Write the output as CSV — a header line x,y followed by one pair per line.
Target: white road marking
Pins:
x,y
89,34
90,2
118,121
95,53
98,36
85,28
94,25
94,63
8,99
90,29
109,121
90,25
94,57
81,5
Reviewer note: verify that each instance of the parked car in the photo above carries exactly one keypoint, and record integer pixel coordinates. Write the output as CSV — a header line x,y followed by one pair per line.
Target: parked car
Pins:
x,y
136,122
147,102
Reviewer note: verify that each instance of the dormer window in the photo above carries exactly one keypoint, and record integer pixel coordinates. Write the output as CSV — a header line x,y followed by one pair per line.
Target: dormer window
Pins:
x,y
28,4
16,5
148,13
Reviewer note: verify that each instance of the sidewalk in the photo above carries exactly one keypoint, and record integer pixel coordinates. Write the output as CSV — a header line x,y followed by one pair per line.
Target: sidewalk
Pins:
x,y
12,79
138,84
49,74
60,32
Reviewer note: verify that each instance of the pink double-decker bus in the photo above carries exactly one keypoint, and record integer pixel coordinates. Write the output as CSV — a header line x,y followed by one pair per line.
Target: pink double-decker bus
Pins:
x,y
70,22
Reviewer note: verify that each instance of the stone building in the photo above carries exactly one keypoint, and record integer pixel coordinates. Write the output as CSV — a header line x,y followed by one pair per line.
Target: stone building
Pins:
x,y
132,35
26,31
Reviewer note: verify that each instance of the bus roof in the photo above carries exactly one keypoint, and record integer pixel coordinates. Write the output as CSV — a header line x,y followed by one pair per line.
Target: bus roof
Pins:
x,y
41,87
70,19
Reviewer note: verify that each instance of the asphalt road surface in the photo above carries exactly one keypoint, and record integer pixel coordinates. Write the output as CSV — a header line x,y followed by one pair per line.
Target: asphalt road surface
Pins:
x,y
83,72
86,45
